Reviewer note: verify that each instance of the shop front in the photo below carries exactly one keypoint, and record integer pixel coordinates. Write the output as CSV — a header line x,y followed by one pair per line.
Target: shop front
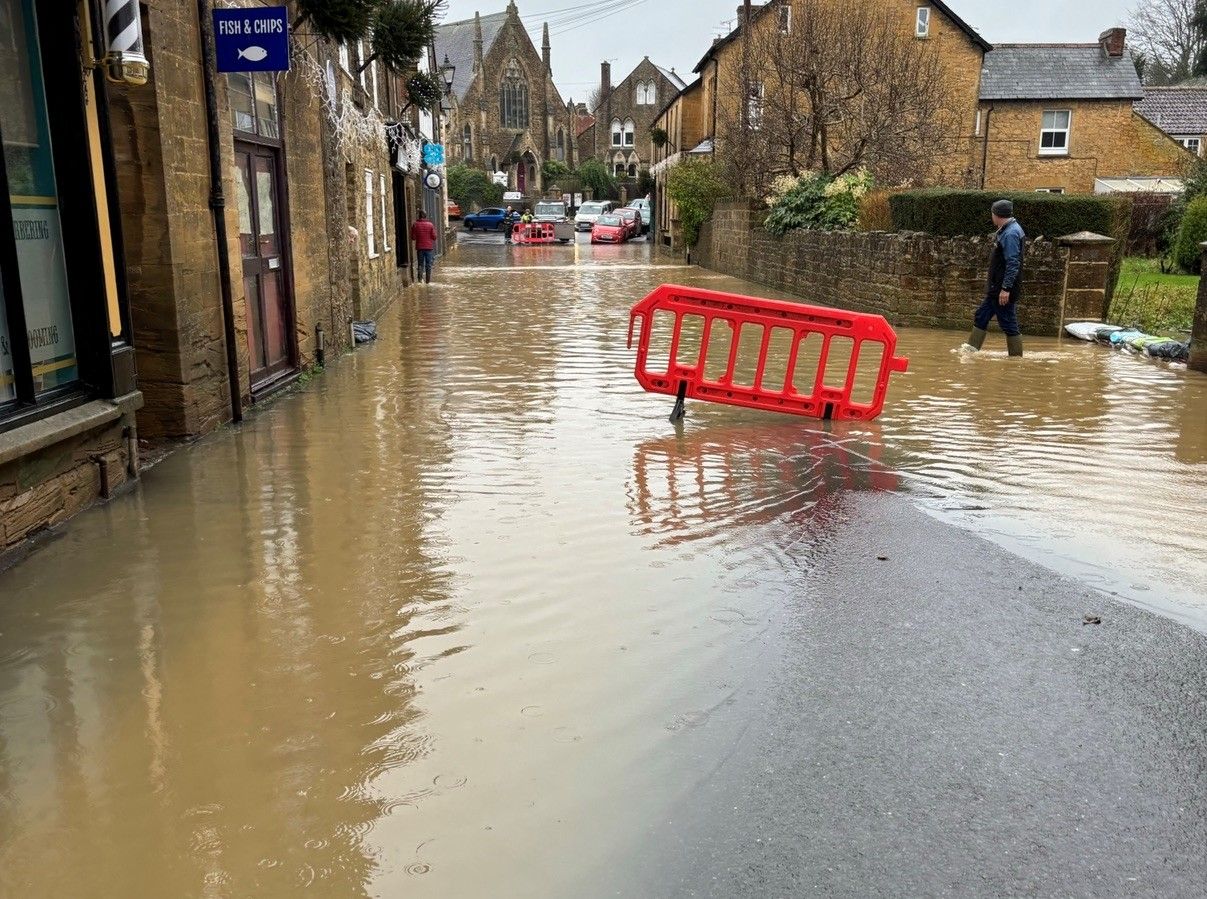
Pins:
x,y
67,392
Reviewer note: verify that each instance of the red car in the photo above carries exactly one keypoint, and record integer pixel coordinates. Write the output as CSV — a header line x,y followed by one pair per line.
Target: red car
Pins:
x,y
632,220
610,228
454,210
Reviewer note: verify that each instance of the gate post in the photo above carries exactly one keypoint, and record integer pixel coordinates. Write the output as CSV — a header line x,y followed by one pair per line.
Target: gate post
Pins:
x,y
1198,338
1086,274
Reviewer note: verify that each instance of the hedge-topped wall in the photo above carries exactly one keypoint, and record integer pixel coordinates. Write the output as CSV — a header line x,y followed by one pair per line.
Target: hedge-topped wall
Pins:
x,y
959,213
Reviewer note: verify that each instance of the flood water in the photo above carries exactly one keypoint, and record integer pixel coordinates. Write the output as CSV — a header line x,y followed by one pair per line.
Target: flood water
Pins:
x,y
444,623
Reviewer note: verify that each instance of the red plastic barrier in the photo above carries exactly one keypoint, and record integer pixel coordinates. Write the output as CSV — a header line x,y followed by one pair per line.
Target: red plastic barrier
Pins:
x,y
804,389
533,233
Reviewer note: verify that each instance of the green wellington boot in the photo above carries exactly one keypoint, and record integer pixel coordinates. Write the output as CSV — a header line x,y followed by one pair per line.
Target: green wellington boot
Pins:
x,y
976,339
1015,345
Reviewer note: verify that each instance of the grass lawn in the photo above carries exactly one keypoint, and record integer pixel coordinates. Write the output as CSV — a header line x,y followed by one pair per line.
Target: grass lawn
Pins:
x,y
1151,300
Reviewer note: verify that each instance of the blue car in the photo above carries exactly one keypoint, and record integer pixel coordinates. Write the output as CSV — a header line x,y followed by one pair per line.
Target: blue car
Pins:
x,y
491,219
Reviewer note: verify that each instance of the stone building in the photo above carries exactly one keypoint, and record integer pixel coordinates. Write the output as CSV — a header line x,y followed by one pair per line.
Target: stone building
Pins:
x,y
507,114
213,289
1007,104
1179,111
683,118
1060,118
619,136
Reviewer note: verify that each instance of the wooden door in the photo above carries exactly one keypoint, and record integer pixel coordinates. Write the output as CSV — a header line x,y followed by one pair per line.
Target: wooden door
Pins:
x,y
262,245
521,177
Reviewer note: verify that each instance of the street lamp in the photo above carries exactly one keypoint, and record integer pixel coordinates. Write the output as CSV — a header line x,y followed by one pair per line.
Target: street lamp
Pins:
x,y
447,71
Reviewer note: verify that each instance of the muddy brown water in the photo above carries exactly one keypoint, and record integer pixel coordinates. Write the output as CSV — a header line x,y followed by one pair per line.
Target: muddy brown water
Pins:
x,y
435,625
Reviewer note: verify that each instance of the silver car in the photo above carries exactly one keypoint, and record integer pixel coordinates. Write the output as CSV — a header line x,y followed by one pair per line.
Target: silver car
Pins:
x,y
589,213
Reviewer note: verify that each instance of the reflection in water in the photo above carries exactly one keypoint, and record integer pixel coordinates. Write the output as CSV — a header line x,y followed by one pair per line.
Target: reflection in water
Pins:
x,y
441,623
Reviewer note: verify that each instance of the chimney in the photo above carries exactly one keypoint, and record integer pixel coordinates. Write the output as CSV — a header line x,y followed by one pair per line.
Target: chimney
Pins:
x,y
605,79
546,53
1113,41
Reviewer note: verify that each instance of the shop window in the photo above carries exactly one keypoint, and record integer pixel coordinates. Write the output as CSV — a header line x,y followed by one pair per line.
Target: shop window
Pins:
x,y
35,295
253,102
370,215
1054,133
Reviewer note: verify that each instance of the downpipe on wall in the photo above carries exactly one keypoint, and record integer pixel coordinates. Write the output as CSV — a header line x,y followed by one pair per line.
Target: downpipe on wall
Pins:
x,y
218,206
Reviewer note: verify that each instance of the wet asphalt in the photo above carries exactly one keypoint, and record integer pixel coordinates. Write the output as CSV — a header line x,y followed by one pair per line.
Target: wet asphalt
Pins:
x,y
940,719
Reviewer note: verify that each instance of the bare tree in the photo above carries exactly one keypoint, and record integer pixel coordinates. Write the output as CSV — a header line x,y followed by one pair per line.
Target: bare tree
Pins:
x,y
847,87
1170,38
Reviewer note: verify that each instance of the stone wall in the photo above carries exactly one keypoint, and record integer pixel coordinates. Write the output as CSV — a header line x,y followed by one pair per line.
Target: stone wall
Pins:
x,y
913,280
43,485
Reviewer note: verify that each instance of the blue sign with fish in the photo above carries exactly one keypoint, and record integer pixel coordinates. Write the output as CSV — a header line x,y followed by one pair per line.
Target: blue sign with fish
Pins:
x,y
252,39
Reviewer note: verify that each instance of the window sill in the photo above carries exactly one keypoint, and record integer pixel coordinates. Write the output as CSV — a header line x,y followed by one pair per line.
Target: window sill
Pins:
x,y
1053,154
89,415
374,255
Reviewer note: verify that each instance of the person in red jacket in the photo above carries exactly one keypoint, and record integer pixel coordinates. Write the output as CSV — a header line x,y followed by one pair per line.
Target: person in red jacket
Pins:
x,y
423,232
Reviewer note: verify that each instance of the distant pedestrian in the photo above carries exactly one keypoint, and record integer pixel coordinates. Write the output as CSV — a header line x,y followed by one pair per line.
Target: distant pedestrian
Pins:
x,y
526,218
507,223
423,232
1005,285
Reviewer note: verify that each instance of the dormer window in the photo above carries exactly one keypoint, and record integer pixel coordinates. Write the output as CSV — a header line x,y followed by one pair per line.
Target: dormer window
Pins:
x,y
922,28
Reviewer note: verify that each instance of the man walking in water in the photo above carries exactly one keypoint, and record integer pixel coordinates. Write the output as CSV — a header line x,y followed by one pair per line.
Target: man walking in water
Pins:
x,y
1005,281
423,232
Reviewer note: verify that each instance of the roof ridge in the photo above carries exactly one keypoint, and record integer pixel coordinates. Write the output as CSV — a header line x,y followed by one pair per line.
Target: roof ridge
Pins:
x,y
470,20
1062,46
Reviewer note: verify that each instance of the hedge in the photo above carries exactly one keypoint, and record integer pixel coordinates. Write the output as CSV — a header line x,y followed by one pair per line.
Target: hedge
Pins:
x,y
954,213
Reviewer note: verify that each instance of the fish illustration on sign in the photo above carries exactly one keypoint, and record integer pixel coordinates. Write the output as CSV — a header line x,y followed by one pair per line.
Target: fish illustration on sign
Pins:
x,y
253,54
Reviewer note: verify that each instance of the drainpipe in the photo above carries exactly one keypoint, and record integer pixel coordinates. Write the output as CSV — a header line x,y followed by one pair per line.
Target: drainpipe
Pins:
x,y
985,147
218,206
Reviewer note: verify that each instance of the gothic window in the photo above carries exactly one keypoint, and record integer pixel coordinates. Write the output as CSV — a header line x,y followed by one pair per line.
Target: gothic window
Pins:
x,y
617,136
618,164
651,93
561,145
513,98
467,143
494,163
630,130
632,170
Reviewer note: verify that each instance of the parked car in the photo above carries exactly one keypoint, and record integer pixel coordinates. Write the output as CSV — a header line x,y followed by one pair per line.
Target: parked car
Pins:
x,y
588,213
632,220
490,219
646,209
454,210
610,228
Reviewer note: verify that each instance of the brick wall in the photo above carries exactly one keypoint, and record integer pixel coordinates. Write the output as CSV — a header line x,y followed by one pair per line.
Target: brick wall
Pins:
x,y
913,280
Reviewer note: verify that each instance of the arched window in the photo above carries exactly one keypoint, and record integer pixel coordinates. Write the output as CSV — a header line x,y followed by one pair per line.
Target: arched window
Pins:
x,y
467,142
494,163
513,98
617,136
640,100
561,145
630,130
618,164
651,93
632,170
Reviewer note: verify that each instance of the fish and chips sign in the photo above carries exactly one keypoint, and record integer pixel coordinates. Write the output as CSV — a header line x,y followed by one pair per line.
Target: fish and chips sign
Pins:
x,y
252,39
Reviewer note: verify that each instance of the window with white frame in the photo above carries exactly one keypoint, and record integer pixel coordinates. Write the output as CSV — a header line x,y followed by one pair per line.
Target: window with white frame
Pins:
x,y
1054,133
360,61
618,164
639,100
1049,190
922,25
385,231
617,134
370,215
977,129
1193,144
754,106
785,18
344,62
630,132
373,78
651,93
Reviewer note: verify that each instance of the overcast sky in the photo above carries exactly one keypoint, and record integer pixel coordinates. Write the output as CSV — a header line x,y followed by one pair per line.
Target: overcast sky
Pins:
x,y
676,33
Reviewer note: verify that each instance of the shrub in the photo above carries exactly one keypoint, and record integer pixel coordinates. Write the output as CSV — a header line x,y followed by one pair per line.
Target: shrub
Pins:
x,y
818,202
553,170
874,212
1192,232
471,187
955,213
696,185
595,175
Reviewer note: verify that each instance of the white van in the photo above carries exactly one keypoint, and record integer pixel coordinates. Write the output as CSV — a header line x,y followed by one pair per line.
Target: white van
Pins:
x,y
589,213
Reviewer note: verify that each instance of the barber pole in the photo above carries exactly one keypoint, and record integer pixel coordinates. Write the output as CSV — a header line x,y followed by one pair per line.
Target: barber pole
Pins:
x,y
124,57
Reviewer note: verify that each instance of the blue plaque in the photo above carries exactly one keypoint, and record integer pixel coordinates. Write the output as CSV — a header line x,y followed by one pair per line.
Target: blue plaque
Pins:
x,y
252,39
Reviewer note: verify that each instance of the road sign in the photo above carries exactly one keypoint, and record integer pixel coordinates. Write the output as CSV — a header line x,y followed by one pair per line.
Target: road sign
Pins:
x,y
252,39
433,154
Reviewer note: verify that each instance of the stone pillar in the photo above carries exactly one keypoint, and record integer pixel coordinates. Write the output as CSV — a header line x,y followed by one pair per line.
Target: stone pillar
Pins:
x,y
1086,275
1198,339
